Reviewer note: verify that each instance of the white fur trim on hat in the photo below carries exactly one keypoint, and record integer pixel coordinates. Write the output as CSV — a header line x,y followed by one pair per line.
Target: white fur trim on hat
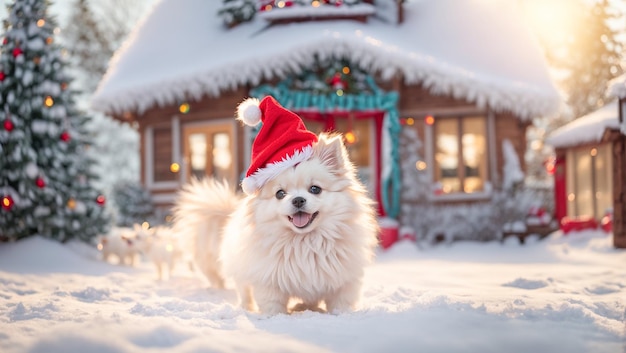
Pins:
x,y
249,112
255,181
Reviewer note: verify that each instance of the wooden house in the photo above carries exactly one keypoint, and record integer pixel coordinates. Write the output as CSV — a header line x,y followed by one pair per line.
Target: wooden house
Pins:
x,y
466,76
583,173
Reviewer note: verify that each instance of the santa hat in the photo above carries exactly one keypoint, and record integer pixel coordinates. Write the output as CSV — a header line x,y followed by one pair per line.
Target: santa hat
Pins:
x,y
282,142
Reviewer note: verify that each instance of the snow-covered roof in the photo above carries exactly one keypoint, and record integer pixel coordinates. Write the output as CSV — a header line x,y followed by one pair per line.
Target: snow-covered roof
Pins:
x,y
586,129
617,87
477,50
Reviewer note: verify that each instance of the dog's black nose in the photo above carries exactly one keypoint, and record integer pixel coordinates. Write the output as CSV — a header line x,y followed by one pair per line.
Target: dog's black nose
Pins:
x,y
298,202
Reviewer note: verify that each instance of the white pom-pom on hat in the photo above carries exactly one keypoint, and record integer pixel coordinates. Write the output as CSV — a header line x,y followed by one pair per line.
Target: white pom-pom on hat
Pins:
x,y
249,112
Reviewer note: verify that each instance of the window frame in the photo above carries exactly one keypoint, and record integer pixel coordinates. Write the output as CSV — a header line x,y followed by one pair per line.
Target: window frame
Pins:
x,y
490,153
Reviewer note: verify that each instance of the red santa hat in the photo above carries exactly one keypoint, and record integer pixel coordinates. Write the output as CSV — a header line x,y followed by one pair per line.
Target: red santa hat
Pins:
x,y
282,142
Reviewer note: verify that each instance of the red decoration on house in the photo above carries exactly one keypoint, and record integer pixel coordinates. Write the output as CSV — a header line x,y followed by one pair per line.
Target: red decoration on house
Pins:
x,y
100,200
569,224
2,76
7,203
65,136
40,182
336,82
8,125
389,232
17,52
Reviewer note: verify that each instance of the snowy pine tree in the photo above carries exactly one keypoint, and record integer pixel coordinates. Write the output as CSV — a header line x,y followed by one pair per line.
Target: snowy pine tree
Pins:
x,y
45,175
133,203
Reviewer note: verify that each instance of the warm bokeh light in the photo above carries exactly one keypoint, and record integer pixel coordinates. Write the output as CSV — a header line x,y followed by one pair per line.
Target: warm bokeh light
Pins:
x,y
339,92
145,225
41,22
410,121
315,4
350,137
429,120
174,167
184,108
420,165
48,101
594,152
345,70
6,202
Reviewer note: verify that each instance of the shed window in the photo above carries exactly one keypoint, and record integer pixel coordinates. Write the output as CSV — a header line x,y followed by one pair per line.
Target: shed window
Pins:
x,y
162,144
589,181
460,154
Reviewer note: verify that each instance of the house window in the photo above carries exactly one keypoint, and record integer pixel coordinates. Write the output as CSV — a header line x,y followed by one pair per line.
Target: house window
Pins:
x,y
358,133
209,151
460,154
589,181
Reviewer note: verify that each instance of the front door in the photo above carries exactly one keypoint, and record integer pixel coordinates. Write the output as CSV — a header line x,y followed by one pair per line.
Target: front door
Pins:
x,y
209,151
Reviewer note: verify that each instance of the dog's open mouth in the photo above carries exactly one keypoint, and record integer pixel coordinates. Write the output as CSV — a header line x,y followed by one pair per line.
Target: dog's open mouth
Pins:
x,y
302,219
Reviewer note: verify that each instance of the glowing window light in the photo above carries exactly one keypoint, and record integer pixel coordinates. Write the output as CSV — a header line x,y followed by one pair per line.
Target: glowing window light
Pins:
x,y
174,167
48,101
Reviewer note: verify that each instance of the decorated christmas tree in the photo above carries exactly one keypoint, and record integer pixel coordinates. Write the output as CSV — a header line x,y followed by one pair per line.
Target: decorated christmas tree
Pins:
x,y
45,174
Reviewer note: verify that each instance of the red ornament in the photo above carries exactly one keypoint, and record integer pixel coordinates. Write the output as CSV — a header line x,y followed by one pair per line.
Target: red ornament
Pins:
x,y
337,83
7,202
8,125
65,136
40,182
288,3
2,76
100,200
17,52
5,41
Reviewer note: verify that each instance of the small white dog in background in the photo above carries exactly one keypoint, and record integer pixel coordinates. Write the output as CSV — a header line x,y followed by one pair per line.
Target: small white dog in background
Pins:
x,y
305,232
119,242
161,246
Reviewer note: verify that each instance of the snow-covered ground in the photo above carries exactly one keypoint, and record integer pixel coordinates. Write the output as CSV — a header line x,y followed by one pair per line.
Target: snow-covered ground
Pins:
x,y
561,294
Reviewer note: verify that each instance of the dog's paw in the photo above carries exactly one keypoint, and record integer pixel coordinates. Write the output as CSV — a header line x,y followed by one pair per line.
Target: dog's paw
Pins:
x,y
300,307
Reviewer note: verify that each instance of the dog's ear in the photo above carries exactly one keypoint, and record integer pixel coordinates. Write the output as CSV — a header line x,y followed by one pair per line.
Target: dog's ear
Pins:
x,y
332,152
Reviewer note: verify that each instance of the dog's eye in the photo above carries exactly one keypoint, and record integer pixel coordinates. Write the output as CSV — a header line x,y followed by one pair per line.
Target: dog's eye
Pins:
x,y
280,194
314,189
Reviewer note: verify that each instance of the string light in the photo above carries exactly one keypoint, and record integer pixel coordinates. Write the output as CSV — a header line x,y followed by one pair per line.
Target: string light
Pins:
x,y
315,3
49,40
420,165
49,101
71,203
41,22
184,108
410,121
429,120
174,167
345,70
350,137
339,92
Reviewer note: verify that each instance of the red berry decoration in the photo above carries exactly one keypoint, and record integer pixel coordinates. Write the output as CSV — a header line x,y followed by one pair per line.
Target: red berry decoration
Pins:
x,y
7,202
40,182
65,136
8,125
100,200
2,76
17,52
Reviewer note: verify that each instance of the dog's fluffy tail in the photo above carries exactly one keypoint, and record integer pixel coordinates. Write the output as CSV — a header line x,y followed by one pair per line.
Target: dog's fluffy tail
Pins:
x,y
201,210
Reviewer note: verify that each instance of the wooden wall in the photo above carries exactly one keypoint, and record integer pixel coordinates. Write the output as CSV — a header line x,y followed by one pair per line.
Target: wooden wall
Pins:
x,y
415,101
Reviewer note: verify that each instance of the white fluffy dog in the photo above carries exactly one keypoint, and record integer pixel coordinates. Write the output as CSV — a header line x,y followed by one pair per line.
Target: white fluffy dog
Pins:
x,y
119,242
304,235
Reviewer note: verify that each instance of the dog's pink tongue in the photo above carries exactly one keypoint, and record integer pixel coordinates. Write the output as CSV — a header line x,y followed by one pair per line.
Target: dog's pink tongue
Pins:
x,y
301,219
